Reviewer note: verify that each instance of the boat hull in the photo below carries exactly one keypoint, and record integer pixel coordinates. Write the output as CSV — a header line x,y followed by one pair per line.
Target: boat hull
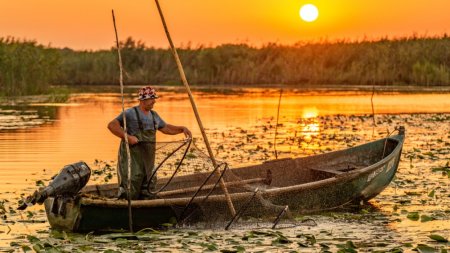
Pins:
x,y
310,184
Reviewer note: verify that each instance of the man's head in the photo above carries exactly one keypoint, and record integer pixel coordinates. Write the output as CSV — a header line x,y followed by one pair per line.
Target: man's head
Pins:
x,y
147,92
147,96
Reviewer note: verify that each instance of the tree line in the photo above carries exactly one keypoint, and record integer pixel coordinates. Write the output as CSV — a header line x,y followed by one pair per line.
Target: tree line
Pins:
x,y
29,68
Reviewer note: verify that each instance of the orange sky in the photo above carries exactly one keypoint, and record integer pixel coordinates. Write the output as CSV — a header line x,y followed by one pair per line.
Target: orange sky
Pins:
x,y
87,24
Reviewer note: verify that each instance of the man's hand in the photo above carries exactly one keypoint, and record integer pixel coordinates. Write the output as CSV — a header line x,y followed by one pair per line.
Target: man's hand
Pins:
x,y
117,130
132,139
187,133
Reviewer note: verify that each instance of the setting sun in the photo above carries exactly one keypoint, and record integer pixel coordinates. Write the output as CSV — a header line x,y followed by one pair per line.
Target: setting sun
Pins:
x,y
309,12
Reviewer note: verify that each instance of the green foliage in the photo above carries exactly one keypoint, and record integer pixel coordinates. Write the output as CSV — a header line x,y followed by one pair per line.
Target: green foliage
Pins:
x,y
413,216
422,61
438,238
25,67
28,68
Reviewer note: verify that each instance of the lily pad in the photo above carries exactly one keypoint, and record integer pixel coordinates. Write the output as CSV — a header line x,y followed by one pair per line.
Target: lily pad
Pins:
x,y
209,246
26,248
413,216
33,239
423,248
425,218
438,238
431,194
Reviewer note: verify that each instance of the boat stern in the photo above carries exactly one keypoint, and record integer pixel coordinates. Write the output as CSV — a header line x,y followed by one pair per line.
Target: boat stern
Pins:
x,y
63,213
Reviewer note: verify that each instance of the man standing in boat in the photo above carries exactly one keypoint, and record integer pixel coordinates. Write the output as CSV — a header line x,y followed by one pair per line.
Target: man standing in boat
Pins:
x,y
142,124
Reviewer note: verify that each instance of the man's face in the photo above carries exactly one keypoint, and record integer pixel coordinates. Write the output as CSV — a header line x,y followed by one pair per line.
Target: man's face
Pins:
x,y
148,103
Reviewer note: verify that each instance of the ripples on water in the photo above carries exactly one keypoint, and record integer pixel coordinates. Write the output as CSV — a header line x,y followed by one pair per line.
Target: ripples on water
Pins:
x,y
20,119
36,141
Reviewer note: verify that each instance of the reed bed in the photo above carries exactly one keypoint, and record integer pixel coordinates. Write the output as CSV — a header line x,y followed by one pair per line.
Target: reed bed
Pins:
x,y
29,68
26,67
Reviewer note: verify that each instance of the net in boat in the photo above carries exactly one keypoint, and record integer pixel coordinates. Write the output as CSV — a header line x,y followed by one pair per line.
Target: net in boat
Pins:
x,y
197,191
191,186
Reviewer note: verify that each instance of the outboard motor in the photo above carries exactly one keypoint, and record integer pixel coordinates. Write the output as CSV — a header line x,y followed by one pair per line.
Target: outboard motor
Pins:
x,y
70,180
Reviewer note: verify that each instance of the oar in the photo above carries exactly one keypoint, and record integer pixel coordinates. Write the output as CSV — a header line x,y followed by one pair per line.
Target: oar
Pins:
x,y
194,107
130,217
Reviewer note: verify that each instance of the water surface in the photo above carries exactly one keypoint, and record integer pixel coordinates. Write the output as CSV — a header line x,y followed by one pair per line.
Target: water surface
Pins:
x,y
38,139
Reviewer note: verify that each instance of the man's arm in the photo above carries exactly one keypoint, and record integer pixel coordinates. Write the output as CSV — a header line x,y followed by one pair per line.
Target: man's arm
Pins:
x,y
172,130
117,130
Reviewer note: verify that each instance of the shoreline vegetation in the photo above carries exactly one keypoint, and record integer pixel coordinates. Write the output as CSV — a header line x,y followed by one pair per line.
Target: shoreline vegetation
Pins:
x,y
27,68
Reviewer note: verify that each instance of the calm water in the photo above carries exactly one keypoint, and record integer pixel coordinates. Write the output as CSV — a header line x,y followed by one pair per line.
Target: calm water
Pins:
x,y
37,140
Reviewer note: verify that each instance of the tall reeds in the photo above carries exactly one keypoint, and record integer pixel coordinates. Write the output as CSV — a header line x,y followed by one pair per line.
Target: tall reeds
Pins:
x,y
28,68
25,67
414,61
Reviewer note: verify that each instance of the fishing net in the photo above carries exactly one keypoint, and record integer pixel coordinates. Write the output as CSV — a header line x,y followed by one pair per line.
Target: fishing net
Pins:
x,y
193,188
262,191
186,173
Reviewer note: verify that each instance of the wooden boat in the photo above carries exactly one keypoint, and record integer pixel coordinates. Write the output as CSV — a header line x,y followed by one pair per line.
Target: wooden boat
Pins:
x,y
307,184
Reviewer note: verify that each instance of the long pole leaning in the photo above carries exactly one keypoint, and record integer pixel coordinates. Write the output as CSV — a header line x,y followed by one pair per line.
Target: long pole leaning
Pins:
x,y
130,217
194,107
276,126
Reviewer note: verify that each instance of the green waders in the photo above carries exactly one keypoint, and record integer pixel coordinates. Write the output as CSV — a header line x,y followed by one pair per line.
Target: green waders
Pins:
x,y
142,163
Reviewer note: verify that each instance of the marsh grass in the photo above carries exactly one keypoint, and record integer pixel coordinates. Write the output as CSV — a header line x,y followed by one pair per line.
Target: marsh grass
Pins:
x,y
58,94
26,68
29,68
412,60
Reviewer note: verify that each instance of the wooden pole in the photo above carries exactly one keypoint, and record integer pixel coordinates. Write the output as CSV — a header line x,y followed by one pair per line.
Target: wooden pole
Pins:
x,y
373,112
276,126
194,107
130,217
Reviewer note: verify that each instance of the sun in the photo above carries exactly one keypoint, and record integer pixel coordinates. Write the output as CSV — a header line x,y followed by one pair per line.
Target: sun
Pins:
x,y
309,12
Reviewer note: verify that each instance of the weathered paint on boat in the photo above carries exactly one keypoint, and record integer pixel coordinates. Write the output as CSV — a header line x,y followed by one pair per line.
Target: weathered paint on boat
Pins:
x,y
307,184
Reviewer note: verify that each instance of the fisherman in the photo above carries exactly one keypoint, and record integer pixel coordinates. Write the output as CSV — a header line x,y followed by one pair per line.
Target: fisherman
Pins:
x,y
142,123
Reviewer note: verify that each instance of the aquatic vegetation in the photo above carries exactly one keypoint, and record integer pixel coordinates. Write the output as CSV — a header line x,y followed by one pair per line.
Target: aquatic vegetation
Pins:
x,y
29,68
26,68
412,214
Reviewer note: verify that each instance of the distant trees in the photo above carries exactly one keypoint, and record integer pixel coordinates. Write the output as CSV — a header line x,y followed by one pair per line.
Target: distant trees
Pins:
x,y
27,68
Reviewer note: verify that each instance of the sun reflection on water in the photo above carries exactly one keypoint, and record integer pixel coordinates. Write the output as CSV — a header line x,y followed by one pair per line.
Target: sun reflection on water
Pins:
x,y
310,112
309,123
